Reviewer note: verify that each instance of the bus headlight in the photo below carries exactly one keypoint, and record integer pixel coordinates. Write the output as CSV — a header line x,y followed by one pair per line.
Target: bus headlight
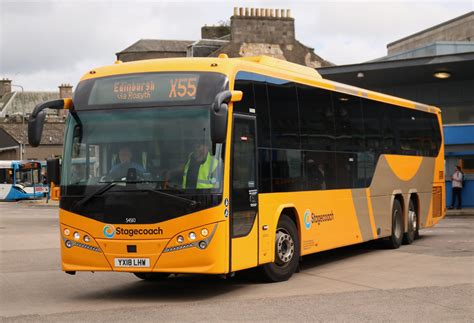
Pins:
x,y
87,239
68,243
180,239
202,244
77,236
192,235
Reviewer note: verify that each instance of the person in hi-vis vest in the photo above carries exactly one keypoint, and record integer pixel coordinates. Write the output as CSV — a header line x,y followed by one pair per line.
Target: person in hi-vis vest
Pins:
x,y
201,169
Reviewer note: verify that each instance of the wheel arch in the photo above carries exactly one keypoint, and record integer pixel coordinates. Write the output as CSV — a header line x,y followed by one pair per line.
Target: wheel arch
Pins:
x,y
292,213
416,201
399,197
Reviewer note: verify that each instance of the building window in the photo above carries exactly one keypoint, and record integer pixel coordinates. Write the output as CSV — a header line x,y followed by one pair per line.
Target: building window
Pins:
x,y
467,164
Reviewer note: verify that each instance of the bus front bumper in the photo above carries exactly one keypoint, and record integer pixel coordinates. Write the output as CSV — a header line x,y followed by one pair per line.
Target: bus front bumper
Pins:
x,y
181,254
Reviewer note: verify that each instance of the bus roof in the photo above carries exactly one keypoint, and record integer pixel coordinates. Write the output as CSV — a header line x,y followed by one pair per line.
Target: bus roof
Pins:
x,y
257,64
10,163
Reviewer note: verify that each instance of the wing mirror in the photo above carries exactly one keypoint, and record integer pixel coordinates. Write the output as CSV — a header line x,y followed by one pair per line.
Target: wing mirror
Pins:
x,y
219,114
37,117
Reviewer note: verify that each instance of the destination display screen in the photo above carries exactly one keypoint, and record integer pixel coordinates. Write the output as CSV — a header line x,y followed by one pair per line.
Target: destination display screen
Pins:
x,y
150,89
145,88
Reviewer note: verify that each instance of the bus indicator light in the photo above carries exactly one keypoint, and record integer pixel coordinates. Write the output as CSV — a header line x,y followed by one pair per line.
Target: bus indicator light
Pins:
x,y
66,232
86,238
204,232
180,239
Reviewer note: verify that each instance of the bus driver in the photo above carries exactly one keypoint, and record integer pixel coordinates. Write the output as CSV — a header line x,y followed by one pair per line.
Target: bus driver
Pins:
x,y
120,171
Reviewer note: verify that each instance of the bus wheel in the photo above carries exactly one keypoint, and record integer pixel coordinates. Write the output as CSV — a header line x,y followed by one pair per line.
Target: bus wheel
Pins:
x,y
412,223
287,252
395,239
152,276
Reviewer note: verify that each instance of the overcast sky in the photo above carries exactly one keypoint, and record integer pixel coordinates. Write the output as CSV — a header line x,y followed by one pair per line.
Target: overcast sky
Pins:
x,y
46,43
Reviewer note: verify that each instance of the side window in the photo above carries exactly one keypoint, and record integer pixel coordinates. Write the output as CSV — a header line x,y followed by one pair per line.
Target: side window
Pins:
x,y
349,122
350,172
316,119
286,170
283,114
319,171
424,127
373,113
263,115
391,141
3,176
264,170
435,135
373,127
248,101
410,134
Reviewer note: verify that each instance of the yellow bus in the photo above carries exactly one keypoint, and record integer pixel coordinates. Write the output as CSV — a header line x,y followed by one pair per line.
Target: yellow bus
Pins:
x,y
216,165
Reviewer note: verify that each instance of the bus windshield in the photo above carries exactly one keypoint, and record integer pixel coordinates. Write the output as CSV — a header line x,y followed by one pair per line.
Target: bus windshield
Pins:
x,y
148,163
27,176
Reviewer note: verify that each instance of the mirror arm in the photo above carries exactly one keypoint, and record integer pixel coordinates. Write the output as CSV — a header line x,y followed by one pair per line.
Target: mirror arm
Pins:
x,y
222,97
38,116
55,105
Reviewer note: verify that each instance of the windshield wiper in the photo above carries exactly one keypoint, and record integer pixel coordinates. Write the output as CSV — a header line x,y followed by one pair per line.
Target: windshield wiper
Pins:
x,y
109,185
190,202
100,191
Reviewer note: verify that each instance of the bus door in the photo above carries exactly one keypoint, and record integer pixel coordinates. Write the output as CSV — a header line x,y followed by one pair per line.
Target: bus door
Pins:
x,y
244,194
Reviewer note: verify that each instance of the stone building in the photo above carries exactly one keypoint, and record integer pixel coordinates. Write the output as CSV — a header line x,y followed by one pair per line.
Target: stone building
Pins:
x,y
15,107
433,66
252,32
154,48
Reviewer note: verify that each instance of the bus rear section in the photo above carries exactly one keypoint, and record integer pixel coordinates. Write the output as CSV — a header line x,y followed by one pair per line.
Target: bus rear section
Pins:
x,y
20,180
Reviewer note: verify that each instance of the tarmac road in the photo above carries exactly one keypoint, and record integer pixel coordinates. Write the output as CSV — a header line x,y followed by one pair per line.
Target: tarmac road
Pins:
x,y
430,280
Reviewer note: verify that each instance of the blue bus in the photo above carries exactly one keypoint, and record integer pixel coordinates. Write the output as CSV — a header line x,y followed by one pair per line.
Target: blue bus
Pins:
x,y
20,180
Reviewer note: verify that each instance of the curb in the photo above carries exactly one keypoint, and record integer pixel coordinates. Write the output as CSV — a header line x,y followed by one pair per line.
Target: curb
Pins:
x,y
462,212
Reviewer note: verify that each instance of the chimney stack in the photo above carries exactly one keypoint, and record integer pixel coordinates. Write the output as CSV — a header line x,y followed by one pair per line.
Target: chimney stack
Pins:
x,y
65,91
5,87
262,25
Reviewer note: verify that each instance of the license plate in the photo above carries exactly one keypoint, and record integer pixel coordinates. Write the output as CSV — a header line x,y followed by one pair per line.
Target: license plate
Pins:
x,y
132,262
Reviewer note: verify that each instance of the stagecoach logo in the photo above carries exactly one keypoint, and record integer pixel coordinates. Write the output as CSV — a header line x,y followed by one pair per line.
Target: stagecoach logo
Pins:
x,y
307,219
109,231
310,218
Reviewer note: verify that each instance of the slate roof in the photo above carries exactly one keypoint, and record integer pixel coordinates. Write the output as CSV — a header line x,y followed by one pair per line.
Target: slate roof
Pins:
x,y
157,45
17,102
53,132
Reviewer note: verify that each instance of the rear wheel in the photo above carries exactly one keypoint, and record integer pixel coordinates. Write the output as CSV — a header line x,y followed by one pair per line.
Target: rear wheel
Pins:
x,y
152,276
412,224
395,239
287,252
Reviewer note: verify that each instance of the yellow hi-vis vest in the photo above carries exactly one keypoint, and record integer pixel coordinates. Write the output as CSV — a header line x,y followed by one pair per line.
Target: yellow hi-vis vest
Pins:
x,y
206,175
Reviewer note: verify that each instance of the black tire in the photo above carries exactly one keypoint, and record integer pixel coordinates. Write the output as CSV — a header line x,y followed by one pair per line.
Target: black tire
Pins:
x,y
412,224
395,239
152,276
287,252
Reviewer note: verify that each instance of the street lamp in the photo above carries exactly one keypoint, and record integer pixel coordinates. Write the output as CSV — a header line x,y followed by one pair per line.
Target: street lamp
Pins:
x,y
22,145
